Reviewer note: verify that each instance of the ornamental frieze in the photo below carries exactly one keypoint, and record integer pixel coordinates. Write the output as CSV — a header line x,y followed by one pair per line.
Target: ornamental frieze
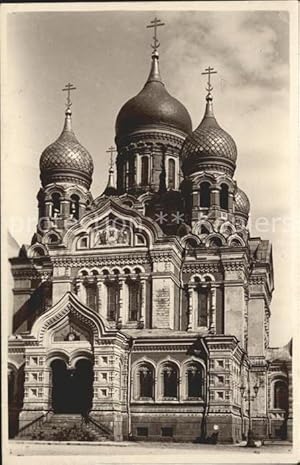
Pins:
x,y
234,265
201,268
100,261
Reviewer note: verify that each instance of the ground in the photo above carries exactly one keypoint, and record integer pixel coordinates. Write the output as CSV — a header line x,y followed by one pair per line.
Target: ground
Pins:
x,y
146,453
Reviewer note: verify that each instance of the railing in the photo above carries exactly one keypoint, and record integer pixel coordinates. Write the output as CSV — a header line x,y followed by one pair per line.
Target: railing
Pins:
x,y
104,429
34,424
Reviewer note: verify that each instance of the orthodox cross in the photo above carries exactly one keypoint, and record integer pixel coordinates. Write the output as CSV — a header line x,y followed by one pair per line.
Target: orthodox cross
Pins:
x,y
111,150
209,71
68,88
155,23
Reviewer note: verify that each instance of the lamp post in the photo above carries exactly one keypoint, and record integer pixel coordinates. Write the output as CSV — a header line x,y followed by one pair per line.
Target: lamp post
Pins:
x,y
249,398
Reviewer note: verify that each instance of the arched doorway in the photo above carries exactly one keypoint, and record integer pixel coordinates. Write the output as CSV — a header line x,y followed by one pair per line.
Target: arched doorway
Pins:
x,y
72,389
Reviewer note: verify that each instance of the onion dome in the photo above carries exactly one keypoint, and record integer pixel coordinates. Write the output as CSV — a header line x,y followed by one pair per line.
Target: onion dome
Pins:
x,y
66,160
242,204
110,188
209,146
153,106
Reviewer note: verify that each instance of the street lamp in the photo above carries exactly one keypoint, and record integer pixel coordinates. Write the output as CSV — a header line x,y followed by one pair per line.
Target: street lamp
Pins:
x,y
250,398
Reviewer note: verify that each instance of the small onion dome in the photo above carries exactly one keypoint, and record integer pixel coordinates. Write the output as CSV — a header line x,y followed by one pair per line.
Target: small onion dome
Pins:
x,y
66,160
153,106
242,204
209,146
110,189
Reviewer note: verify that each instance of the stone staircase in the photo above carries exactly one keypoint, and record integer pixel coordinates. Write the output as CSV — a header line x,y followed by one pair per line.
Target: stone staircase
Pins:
x,y
65,427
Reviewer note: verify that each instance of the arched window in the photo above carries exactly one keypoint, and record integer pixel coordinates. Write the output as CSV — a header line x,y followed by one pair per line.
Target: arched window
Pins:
x,y
170,381
171,173
56,204
74,206
92,296
11,385
146,381
202,307
53,239
224,197
281,397
113,297
145,171
134,297
205,195
215,242
194,380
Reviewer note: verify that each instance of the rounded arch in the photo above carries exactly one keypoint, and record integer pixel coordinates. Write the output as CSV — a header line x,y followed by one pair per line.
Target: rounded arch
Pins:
x,y
204,191
80,354
279,393
55,189
186,240
215,240
52,237
83,272
236,241
168,375
143,379
203,227
224,194
57,354
208,277
37,250
227,229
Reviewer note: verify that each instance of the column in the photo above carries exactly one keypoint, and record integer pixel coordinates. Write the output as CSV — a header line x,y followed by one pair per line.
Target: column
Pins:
x,y
100,295
230,202
138,169
142,319
215,197
121,317
190,309
212,322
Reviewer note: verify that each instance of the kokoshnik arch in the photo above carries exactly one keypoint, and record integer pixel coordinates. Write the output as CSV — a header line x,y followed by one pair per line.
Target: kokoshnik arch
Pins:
x,y
147,307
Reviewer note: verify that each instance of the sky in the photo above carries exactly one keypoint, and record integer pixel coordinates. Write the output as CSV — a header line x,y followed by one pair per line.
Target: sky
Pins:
x,y
106,55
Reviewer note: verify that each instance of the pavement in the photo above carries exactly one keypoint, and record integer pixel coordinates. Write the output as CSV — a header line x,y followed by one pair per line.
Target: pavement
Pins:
x,y
139,453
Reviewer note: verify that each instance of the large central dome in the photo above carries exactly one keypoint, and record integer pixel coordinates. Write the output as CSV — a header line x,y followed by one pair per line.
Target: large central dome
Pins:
x,y
153,106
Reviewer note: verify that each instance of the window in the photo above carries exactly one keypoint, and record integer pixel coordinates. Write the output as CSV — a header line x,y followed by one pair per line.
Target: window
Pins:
x,y
205,195
167,432
142,431
202,314
281,395
170,381
92,296
112,300
224,197
145,171
195,381
171,173
134,290
74,206
146,381
56,204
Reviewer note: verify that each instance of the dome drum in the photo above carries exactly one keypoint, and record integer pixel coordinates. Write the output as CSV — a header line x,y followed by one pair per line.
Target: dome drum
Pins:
x,y
65,176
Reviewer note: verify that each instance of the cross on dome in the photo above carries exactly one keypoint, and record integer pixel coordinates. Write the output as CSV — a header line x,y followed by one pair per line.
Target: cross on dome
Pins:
x,y
155,23
208,72
68,88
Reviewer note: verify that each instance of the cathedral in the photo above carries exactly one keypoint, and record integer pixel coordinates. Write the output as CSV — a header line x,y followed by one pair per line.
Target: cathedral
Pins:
x,y
146,310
